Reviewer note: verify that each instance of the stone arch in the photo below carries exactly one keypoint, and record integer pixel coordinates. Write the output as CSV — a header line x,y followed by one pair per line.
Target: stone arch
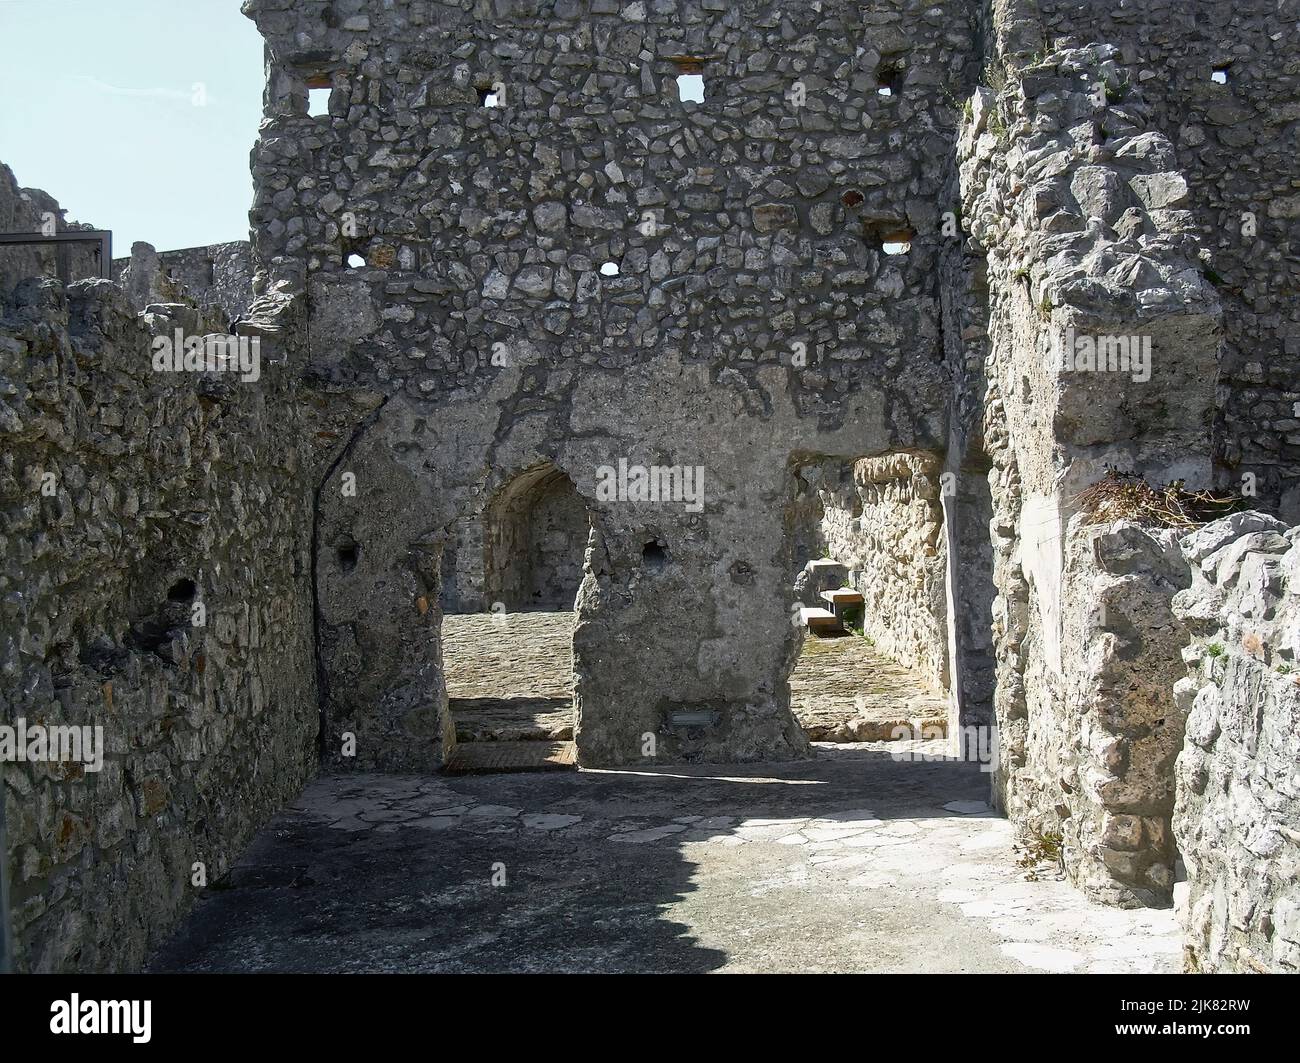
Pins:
x,y
535,534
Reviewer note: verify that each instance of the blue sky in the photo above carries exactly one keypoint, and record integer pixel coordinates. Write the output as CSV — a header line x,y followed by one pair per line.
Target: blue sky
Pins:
x,y
101,111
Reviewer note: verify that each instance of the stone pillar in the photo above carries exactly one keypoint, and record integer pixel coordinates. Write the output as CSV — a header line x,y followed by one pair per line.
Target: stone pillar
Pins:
x,y
1103,353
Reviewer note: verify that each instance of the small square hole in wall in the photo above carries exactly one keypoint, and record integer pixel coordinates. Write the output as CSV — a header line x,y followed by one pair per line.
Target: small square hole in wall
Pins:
x,y
319,88
183,590
348,553
355,261
1219,75
690,88
491,96
889,78
890,239
609,269
690,78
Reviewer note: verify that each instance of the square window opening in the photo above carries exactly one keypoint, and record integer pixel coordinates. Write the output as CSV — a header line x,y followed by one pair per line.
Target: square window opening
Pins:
x,y
889,78
890,239
690,88
318,96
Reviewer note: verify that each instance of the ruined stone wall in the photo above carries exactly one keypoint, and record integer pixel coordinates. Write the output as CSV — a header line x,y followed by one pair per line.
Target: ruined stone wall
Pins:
x,y
882,519
154,579
1072,198
591,272
968,510
1205,156
1235,142
462,589
1101,752
1237,818
749,317
29,210
218,277
968,479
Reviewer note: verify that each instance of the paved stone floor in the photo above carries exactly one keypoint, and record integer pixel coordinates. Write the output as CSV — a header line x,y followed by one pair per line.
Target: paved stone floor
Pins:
x,y
510,678
853,861
844,690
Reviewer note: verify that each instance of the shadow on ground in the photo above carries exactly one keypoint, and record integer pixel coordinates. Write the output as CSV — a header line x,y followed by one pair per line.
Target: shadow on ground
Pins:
x,y
560,872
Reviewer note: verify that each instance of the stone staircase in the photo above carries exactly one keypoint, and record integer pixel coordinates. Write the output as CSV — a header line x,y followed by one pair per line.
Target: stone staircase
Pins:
x,y
824,579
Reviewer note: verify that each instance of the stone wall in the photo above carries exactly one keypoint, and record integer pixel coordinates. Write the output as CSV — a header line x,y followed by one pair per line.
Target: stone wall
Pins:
x,y
882,519
218,277
1234,142
1070,196
155,583
598,272
1104,733
971,591
1237,819
463,587
29,210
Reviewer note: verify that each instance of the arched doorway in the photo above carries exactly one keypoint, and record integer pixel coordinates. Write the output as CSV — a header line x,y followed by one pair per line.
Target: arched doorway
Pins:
x,y
535,534
509,668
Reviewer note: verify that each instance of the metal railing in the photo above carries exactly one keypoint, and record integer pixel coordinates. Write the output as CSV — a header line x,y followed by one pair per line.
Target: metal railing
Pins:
x,y
102,237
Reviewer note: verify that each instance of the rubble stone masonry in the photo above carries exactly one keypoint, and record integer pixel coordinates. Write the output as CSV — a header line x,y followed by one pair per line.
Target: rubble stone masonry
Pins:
x,y
909,278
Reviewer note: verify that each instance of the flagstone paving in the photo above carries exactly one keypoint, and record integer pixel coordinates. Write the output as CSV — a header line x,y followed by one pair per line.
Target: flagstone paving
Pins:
x,y
845,690
510,675
853,861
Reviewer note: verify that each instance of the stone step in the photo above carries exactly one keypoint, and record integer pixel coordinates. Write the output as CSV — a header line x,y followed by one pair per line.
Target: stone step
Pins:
x,y
819,619
819,575
492,758
843,596
825,567
929,727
